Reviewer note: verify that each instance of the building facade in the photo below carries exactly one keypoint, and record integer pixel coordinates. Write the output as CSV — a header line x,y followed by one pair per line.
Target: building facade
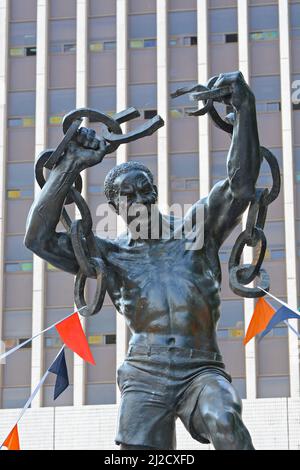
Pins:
x,y
109,55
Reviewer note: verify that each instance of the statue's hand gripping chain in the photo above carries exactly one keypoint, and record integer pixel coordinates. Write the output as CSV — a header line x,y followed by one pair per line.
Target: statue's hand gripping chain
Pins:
x,y
82,237
253,235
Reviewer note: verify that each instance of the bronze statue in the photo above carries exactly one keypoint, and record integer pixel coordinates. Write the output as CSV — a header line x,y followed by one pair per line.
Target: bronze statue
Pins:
x,y
169,295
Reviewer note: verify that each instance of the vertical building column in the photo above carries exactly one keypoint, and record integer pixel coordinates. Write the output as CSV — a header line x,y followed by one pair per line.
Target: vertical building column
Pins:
x,y
162,104
203,76
38,304
4,18
288,188
244,67
81,102
121,153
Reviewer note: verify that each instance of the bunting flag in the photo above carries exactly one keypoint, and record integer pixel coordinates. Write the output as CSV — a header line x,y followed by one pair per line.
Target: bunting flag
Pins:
x,y
282,314
262,314
12,441
59,368
72,334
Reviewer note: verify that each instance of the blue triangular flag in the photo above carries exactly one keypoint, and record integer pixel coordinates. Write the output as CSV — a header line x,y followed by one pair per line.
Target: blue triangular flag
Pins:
x,y
283,313
59,368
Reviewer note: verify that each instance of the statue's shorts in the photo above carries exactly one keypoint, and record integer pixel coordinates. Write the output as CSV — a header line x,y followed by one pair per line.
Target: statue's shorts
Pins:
x,y
159,384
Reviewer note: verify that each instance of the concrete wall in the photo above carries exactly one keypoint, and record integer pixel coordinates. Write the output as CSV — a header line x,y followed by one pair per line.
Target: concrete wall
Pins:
x,y
273,424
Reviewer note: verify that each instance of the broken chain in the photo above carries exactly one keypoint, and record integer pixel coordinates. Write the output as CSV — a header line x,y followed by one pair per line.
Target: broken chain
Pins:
x,y
81,234
253,235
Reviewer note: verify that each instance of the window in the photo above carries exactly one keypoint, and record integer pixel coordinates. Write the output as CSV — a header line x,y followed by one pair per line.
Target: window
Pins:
x,y
69,47
21,122
141,26
16,324
21,103
109,45
102,28
15,249
103,98
182,23
150,113
15,397
61,101
231,37
96,47
264,36
62,31
263,18
110,339
296,106
18,267
142,96
142,43
190,41
29,51
223,20
266,88
22,34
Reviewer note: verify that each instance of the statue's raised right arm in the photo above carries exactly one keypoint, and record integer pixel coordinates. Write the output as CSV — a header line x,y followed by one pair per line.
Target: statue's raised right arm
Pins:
x,y
41,236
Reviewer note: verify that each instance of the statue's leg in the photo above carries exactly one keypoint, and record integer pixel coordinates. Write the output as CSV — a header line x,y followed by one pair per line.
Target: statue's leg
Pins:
x,y
129,447
219,411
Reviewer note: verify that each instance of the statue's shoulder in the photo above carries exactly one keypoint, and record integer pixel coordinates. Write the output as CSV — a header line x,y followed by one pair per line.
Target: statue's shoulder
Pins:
x,y
108,245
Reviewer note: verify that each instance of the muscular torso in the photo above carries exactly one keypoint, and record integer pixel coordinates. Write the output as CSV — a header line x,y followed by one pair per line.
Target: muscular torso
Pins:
x,y
164,289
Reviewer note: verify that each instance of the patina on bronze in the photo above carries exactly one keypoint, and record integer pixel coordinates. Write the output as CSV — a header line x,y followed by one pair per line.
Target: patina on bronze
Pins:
x,y
170,296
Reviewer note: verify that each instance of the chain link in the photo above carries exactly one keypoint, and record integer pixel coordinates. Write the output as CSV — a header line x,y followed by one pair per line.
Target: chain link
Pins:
x,y
253,235
81,234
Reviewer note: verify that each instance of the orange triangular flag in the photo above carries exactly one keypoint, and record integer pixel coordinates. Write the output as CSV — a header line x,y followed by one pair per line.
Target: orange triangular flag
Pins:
x,y
72,334
262,314
12,441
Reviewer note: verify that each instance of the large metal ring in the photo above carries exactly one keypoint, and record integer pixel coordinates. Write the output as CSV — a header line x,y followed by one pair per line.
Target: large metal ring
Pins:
x,y
274,167
249,271
41,163
94,307
249,292
94,115
80,248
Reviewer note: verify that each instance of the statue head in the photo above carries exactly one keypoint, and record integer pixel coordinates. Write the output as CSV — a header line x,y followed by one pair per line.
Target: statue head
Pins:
x,y
129,190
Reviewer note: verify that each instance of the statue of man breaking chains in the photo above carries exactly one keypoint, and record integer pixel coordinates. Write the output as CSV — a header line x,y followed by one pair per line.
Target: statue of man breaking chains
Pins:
x,y
168,294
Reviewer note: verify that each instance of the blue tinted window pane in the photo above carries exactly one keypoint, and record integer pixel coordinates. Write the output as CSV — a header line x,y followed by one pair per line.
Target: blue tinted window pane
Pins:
x,y
15,249
22,34
17,324
232,314
102,98
20,175
61,101
100,394
21,103
142,96
263,17
240,385
295,15
266,88
15,397
142,26
62,30
102,28
104,323
223,20
182,22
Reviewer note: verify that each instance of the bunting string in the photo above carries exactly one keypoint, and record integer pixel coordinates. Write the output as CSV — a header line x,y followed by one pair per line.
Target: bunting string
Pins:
x,y
34,393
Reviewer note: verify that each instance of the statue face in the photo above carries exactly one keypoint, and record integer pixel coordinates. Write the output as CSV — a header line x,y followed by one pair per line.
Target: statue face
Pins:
x,y
136,194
